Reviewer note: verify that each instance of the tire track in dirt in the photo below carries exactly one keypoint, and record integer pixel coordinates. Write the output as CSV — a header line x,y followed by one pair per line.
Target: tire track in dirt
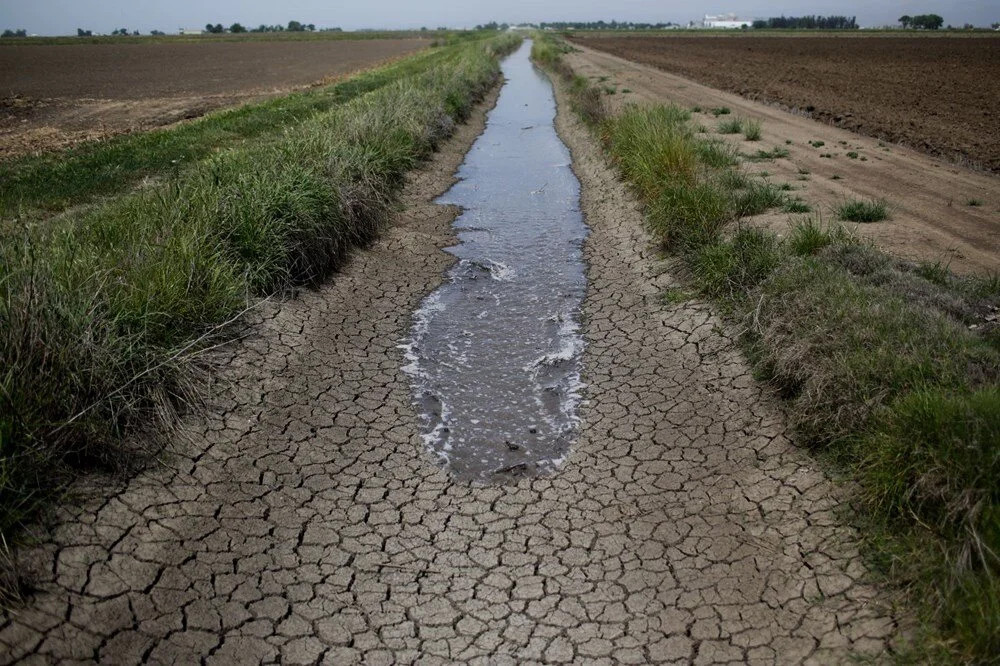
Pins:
x,y
303,523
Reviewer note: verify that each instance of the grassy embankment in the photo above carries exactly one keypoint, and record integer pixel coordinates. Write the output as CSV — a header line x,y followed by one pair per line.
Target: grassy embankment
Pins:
x,y
57,180
891,369
104,311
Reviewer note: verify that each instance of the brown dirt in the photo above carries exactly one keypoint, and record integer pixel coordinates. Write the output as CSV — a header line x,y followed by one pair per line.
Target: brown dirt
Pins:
x,y
52,96
304,522
938,95
931,219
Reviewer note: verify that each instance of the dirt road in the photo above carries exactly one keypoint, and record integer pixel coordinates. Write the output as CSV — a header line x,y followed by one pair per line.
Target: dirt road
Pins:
x,y
931,218
934,93
303,521
55,95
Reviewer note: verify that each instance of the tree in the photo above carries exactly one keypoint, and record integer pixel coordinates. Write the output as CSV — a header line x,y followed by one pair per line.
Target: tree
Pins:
x,y
236,28
809,23
216,29
14,33
311,27
156,32
927,22
295,26
905,20
80,32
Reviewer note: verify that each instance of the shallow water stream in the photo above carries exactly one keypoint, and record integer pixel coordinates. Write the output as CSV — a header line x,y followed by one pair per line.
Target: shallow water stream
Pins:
x,y
495,351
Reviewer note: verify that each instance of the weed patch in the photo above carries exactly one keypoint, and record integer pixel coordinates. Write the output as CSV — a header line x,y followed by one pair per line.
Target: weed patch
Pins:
x,y
767,155
752,130
730,126
796,206
856,210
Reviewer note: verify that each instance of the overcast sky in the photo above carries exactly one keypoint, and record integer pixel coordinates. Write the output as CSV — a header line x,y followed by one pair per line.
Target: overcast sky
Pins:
x,y
53,17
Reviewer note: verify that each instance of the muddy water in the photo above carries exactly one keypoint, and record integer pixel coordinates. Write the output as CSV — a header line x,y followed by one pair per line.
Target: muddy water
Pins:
x,y
495,352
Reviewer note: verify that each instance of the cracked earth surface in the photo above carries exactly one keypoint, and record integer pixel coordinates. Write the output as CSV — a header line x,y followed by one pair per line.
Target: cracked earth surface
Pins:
x,y
302,522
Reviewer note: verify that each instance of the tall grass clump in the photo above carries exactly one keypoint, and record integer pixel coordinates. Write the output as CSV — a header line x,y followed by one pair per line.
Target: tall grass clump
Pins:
x,y
106,311
751,130
758,197
730,126
858,210
654,148
889,369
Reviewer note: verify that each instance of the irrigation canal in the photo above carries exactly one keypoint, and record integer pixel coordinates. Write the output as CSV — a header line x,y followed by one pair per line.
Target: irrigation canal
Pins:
x,y
494,355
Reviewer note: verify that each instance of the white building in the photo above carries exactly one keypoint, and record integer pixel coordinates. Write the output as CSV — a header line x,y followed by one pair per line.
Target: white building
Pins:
x,y
730,21
190,31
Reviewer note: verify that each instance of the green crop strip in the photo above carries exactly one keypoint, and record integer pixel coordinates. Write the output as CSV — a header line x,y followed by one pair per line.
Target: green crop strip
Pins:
x,y
54,181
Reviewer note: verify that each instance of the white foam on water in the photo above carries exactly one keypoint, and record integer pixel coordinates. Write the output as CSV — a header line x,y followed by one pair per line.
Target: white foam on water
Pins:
x,y
430,306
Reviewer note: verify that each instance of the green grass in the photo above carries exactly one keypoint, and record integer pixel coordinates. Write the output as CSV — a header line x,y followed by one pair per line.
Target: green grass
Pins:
x,y
758,197
752,130
721,111
811,235
857,210
676,296
775,153
54,181
730,126
106,310
974,202
889,370
730,268
796,206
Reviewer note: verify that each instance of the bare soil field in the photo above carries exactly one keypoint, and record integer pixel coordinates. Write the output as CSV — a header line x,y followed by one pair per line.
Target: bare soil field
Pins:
x,y
56,95
938,211
938,95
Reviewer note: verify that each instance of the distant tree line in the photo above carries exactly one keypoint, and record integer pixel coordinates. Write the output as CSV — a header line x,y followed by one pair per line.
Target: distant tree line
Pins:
x,y
236,28
808,23
14,33
921,21
579,25
605,25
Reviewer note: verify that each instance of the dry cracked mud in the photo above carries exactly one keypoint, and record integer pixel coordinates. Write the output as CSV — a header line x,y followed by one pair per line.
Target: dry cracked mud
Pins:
x,y
301,521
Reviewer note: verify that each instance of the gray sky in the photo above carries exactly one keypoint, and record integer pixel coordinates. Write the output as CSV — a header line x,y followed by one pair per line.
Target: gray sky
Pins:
x,y
51,17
